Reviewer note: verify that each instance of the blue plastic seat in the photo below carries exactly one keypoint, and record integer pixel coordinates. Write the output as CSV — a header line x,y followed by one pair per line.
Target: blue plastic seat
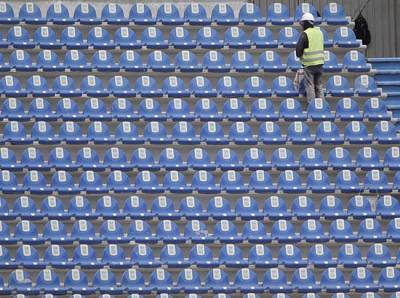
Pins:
x,y
354,61
247,208
393,230
362,280
75,60
186,61
147,87
260,256
278,14
370,231
360,207
204,182
219,208
386,206
28,256
72,38
95,109
105,281
262,37
226,232
184,133
85,256
306,8
379,255
345,38
140,231
356,133
348,109
15,133
199,159
213,133
46,38
37,86
365,85
288,37
214,61
5,234
153,38
217,281
385,133
120,86
320,256
368,158
93,86
63,183
283,231
20,281
159,61
303,207
52,207
389,279
168,232
283,87
275,281
8,160
140,14
48,281
270,61
65,86
121,108
163,208
30,13
27,232
11,86
115,158
347,181
189,281
242,61
41,109
103,60
76,281
333,281
312,231
83,231
132,281
246,282
250,14
232,182
293,62
90,181
235,110
4,66
85,13
231,255
340,158
112,232
35,183
349,255
196,14
57,13
19,38
88,158
241,133
80,207
33,159
21,60
283,159
223,14
142,159
304,281
311,158
255,86
197,232
262,109
190,207
119,181
168,14
99,133
289,256
235,38
255,159
201,86
260,181
171,159
334,14
175,87
180,38
13,109
179,110
290,109
375,109
156,133
113,14
338,86
7,14
25,207
56,256
147,182
172,255
207,37
150,109
341,231
270,133
125,38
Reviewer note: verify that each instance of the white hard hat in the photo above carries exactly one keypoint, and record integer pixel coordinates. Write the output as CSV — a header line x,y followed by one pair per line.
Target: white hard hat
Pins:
x,y
307,17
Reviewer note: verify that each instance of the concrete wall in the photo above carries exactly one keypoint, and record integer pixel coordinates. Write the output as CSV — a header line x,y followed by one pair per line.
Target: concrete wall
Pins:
x,y
381,16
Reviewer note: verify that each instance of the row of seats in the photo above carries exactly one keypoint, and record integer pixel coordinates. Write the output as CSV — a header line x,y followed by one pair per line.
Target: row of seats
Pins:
x,y
224,231
355,132
162,207
185,61
146,86
245,280
168,14
231,181
179,37
205,109
245,207
115,158
191,208
200,256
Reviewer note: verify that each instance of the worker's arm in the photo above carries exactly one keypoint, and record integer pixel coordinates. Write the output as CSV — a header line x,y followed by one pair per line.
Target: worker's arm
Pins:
x,y
302,44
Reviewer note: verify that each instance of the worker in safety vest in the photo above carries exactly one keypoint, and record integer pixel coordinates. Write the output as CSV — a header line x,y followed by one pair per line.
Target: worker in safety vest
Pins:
x,y
310,50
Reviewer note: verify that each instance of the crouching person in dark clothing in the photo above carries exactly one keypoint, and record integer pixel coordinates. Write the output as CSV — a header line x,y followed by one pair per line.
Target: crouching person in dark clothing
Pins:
x,y
310,50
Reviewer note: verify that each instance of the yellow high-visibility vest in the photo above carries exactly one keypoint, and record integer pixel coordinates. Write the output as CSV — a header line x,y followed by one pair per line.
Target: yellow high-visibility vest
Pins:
x,y
314,54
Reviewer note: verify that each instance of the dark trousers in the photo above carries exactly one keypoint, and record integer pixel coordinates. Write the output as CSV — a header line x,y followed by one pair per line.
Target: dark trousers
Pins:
x,y
313,82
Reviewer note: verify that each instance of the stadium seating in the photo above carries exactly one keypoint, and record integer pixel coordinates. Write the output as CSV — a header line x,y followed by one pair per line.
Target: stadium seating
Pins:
x,y
163,150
